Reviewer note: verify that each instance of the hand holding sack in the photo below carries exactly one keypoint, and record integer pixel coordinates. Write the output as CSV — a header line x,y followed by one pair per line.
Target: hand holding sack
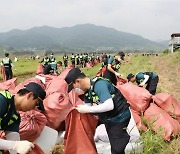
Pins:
x,y
118,74
83,108
23,147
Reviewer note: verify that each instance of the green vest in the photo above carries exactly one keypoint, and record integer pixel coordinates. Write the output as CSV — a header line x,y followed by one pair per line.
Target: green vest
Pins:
x,y
120,103
6,62
65,58
10,117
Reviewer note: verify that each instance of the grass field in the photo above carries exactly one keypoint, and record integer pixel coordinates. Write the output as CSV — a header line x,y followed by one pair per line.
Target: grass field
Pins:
x,y
167,66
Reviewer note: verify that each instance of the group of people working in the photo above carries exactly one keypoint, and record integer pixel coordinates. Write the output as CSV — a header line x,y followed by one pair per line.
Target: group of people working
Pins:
x,y
101,98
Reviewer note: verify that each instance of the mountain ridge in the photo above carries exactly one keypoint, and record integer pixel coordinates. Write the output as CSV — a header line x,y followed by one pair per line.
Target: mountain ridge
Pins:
x,y
78,36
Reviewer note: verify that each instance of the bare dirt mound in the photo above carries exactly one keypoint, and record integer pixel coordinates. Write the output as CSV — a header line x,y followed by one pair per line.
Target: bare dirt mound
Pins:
x,y
168,69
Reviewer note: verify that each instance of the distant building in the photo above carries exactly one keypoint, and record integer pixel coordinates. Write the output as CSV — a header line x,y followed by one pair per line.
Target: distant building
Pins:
x,y
174,42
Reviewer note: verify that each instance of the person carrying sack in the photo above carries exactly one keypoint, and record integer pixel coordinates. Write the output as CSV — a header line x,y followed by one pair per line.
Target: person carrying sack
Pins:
x,y
104,100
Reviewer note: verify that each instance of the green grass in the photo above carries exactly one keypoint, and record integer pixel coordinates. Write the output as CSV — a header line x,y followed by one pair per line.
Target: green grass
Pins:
x,y
152,143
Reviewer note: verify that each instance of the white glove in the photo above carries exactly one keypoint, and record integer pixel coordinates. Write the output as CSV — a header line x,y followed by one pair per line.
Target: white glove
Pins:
x,y
83,108
118,74
141,85
23,147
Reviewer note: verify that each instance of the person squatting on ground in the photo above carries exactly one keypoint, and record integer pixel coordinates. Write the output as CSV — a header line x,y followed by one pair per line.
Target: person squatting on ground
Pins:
x,y
103,99
142,78
7,64
59,67
113,66
26,99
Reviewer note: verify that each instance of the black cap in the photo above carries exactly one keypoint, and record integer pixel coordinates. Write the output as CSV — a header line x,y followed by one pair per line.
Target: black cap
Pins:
x,y
72,75
37,90
130,76
121,54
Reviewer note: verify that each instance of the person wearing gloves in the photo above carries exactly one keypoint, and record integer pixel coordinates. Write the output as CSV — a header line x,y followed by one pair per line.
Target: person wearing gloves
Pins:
x,y
28,98
142,78
113,66
103,99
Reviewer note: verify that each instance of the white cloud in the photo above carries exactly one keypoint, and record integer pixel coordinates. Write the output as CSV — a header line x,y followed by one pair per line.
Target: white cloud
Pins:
x,y
152,19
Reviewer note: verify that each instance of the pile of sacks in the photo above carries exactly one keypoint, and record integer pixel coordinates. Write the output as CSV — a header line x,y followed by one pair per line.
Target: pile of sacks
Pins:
x,y
161,111
59,107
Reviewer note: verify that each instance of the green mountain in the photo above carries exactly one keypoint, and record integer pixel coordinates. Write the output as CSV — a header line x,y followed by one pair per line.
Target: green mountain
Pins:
x,y
79,36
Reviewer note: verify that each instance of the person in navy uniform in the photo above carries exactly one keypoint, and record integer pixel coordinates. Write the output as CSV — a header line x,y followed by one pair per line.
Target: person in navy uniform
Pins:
x,y
46,64
26,99
104,100
142,78
113,66
7,64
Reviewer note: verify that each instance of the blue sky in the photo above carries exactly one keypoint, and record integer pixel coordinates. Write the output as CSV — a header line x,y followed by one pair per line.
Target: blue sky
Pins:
x,y
152,19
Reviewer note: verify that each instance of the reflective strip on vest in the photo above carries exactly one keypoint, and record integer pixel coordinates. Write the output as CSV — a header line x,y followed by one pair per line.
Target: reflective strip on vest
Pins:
x,y
7,95
95,98
6,61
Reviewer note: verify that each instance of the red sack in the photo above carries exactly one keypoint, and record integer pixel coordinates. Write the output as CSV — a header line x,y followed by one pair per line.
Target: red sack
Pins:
x,y
21,85
96,61
89,65
138,121
65,72
2,71
2,135
9,84
162,122
36,150
32,124
48,78
40,69
137,97
57,107
168,103
79,136
57,85
121,81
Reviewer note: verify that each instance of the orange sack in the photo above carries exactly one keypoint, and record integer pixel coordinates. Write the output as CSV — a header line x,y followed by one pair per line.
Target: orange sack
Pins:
x,y
9,84
40,69
137,97
162,122
2,71
138,121
79,136
36,150
57,107
22,84
168,103
32,124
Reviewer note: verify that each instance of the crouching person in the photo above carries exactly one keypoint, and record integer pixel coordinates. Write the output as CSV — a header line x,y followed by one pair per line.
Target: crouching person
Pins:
x,y
28,98
103,99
